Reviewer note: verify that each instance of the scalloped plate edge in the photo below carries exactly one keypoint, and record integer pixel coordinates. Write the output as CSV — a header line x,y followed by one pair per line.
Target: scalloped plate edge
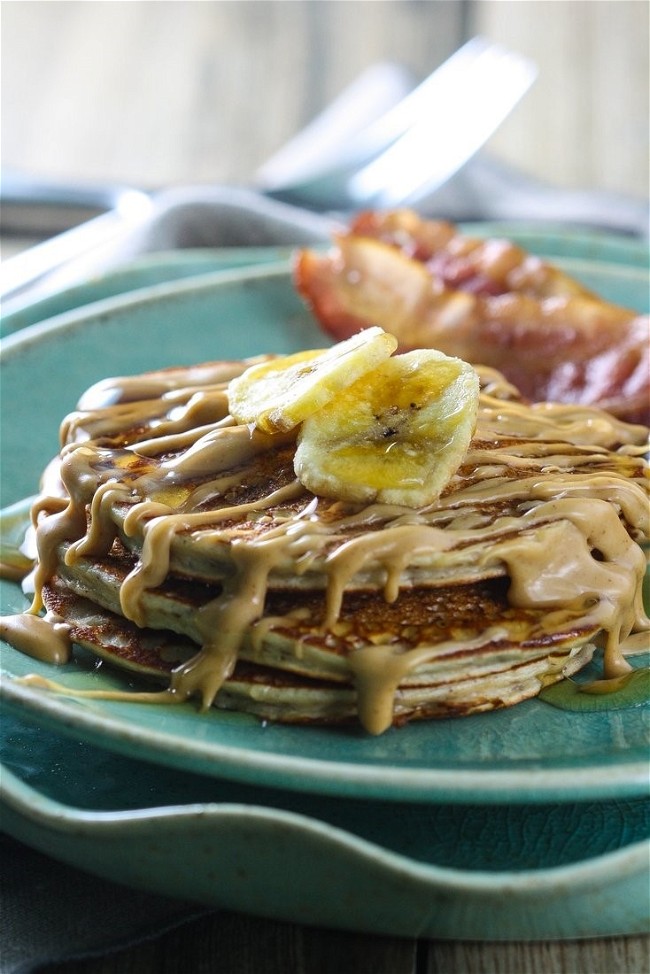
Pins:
x,y
209,853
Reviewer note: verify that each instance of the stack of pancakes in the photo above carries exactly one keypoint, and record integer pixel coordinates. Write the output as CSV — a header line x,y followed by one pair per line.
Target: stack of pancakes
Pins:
x,y
179,545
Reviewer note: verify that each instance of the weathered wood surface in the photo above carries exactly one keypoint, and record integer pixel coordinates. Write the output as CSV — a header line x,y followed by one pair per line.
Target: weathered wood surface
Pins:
x,y
159,93
233,944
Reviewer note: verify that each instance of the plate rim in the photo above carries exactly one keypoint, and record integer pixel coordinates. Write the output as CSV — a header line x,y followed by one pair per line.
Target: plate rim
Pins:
x,y
336,779
103,307
62,816
560,895
69,321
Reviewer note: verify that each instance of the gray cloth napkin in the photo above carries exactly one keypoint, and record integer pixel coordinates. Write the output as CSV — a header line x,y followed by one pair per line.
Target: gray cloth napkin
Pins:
x,y
178,219
214,216
53,913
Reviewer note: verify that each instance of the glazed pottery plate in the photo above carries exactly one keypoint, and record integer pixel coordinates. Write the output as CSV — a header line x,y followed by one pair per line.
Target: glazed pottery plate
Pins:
x,y
529,753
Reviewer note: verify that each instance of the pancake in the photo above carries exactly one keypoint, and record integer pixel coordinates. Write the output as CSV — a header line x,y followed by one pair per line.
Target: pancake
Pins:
x,y
179,544
298,674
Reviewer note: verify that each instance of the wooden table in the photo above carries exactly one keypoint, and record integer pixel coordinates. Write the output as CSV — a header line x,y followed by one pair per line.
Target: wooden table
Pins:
x,y
235,944
157,94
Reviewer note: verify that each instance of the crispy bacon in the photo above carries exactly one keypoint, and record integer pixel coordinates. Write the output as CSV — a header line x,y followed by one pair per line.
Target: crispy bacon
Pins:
x,y
486,301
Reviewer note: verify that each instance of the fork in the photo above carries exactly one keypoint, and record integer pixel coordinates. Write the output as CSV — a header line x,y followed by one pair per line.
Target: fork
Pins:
x,y
417,146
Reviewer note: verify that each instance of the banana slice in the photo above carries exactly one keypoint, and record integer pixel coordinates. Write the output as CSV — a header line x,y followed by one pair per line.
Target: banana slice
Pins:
x,y
279,394
395,436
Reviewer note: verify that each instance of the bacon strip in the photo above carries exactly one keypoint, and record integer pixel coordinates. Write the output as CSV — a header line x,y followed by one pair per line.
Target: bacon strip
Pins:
x,y
488,302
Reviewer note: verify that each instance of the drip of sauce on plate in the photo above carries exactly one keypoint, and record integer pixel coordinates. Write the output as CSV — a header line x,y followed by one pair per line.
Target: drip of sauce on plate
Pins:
x,y
619,693
40,637
120,696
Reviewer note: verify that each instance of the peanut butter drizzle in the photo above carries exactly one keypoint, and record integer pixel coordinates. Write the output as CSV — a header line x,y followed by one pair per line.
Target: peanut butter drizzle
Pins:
x,y
40,637
573,549
131,696
13,573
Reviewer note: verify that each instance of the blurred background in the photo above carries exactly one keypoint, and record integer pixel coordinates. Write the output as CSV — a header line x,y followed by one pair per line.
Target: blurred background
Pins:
x,y
157,93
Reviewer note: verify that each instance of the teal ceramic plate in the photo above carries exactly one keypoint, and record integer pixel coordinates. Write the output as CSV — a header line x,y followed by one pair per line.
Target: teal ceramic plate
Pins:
x,y
530,753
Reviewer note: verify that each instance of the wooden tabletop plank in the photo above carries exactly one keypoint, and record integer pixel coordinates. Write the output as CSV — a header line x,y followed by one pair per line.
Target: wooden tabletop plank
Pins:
x,y
230,943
